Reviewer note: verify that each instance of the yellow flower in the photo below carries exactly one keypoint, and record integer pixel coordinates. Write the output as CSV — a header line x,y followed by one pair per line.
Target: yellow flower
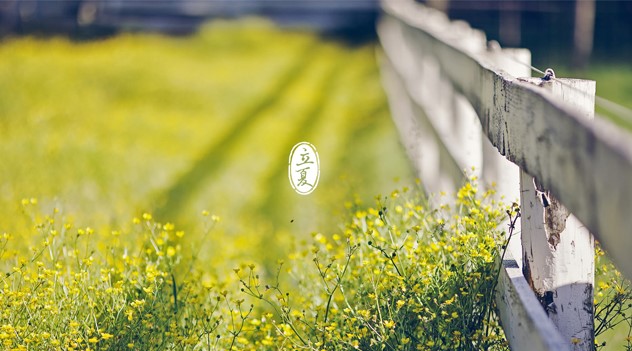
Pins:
x,y
93,340
106,336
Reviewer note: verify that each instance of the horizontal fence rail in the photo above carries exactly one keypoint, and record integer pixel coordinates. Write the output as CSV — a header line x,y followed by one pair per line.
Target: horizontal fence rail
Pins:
x,y
461,103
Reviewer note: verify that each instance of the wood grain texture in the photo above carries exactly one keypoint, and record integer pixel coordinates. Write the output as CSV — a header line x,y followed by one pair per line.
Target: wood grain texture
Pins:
x,y
430,158
525,323
558,251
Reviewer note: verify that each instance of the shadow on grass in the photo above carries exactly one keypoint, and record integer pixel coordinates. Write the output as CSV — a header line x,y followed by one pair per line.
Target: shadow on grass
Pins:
x,y
174,198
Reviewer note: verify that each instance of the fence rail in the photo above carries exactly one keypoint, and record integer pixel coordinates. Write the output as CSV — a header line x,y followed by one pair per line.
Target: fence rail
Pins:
x,y
453,97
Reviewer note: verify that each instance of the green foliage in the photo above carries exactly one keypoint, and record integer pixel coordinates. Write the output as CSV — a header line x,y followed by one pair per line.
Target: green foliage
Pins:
x,y
613,305
80,289
614,82
403,275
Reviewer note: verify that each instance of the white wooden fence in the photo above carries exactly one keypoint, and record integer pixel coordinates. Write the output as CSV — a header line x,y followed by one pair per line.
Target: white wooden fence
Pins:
x,y
461,103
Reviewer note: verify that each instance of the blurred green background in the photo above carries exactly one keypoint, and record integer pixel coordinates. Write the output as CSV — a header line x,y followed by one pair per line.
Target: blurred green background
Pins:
x,y
108,129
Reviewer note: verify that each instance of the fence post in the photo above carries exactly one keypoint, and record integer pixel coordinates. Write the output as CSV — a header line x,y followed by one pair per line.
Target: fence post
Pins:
x,y
496,168
558,251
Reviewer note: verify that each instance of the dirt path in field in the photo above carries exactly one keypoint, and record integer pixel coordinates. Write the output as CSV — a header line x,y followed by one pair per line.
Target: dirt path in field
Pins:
x,y
211,161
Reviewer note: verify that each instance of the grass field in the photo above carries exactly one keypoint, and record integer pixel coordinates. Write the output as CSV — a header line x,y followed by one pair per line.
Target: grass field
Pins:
x,y
614,82
138,123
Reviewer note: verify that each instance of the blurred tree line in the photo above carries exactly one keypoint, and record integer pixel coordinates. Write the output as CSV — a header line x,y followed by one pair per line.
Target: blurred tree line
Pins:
x,y
557,31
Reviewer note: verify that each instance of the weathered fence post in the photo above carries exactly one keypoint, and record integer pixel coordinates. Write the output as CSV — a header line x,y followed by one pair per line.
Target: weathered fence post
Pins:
x,y
430,113
496,167
558,251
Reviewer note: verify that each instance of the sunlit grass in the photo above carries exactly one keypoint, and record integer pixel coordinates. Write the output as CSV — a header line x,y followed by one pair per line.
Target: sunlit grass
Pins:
x,y
102,125
614,83
107,128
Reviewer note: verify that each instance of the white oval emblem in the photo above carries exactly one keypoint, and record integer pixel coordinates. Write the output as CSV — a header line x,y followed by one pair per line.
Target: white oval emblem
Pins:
x,y
304,168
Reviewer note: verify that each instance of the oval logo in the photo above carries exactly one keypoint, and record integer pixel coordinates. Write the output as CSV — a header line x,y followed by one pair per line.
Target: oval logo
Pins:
x,y
304,168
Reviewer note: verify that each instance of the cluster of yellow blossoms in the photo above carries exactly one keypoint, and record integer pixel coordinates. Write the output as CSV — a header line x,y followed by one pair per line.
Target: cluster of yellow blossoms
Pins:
x,y
405,274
